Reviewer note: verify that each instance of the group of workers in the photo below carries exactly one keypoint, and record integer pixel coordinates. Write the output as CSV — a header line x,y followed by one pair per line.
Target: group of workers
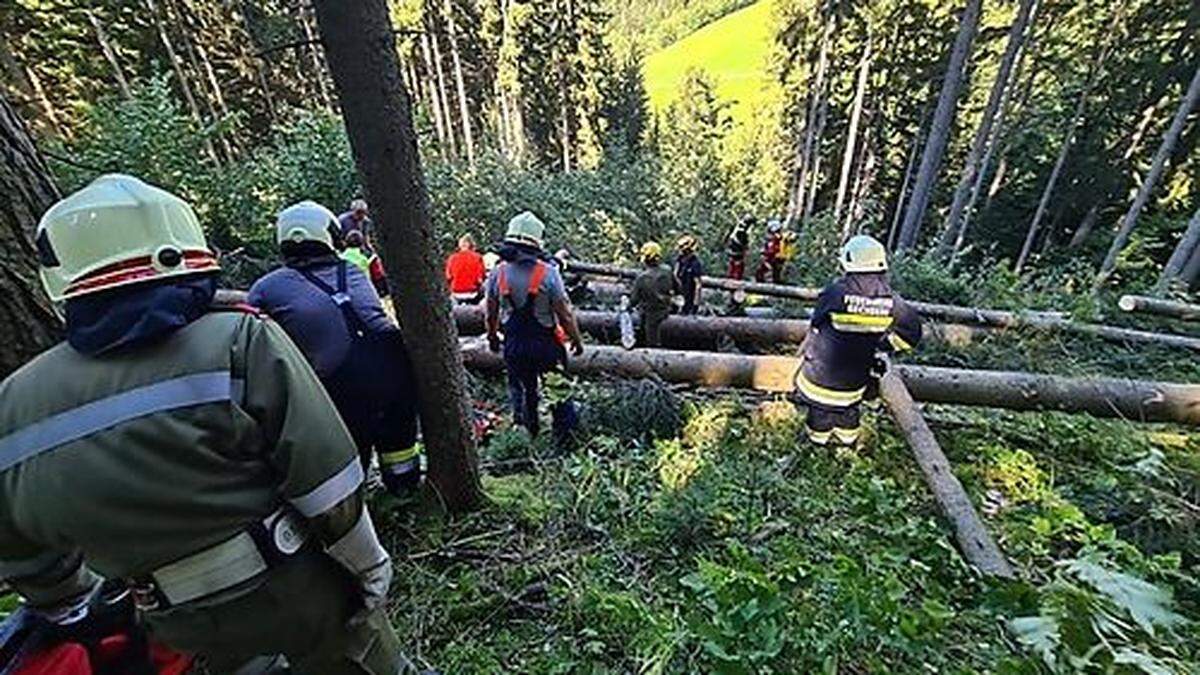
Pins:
x,y
207,457
779,247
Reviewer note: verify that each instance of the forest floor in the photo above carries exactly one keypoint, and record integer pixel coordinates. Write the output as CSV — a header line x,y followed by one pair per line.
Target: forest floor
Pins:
x,y
697,532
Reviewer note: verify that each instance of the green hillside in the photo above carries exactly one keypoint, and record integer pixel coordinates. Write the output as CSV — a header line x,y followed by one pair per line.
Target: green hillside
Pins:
x,y
733,50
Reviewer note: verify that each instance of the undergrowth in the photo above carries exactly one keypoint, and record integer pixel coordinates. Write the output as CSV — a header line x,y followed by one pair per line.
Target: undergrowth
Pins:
x,y
731,546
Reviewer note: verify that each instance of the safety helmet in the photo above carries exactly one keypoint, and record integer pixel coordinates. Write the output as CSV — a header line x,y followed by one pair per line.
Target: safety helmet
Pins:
x,y
115,232
525,228
651,252
864,253
774,226
686,244
306,221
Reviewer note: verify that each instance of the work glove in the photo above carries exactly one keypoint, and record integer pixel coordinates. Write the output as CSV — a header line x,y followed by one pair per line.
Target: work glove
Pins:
x,y
494,344
576,349
879,368
360,552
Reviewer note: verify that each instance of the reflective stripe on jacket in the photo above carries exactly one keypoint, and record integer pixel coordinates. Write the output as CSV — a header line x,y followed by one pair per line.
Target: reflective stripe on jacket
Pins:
x,y
145,456
856,316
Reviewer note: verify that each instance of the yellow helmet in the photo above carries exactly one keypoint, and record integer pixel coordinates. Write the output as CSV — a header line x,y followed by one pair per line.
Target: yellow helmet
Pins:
x,y
686,244
863,253
306,221
651,252
115,232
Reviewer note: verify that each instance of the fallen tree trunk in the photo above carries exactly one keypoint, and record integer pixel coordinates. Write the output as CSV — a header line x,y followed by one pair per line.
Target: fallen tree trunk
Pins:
x,y
1136,400
1044,321
1169,308
974,541
680,330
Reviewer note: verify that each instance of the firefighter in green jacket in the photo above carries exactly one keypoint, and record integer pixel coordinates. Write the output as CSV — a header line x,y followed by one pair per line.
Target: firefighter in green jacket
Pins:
x,y
187,451
653,294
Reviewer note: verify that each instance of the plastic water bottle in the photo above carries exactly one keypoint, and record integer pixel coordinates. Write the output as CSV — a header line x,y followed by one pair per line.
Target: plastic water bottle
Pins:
x,y
628,337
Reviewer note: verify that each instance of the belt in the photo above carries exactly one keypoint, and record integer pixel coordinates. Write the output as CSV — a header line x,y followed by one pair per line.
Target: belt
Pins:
x,y
220,567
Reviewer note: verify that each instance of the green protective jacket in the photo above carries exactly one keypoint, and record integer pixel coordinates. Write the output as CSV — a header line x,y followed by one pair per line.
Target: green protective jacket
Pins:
x,y
653,291
123,463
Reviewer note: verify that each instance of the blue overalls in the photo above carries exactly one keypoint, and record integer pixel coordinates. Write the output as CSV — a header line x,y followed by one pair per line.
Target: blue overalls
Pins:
x,y
530,348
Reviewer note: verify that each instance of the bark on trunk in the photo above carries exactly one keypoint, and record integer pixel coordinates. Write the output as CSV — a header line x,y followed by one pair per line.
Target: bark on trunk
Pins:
x,y
110,54
28,325
1135,400
974,541
1169,308
1151,180
939,133
1037,320
860,93
1012,51
1182,253
909,167
29,85
361,52
1086,226
1191,271
1094,75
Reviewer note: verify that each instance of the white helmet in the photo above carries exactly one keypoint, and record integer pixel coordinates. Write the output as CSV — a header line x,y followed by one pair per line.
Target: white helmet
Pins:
x,y
115,232
864,253
306,221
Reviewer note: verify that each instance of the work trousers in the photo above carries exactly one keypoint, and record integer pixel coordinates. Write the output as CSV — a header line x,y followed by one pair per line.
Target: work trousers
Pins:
x,y
307,609
828,423
652,328
523,382
737,267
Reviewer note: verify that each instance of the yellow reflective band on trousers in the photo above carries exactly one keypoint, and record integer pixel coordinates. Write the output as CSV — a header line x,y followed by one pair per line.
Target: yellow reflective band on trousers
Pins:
x,y
898,343
818,437
826,396
847,436
399,456
860,323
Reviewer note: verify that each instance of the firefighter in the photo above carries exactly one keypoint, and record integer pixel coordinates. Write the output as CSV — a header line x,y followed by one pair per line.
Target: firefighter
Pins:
x,y
332,312
688,271
526,292
356,253
737,244
769,267
465,272
653,293
857,322
187,450
788,249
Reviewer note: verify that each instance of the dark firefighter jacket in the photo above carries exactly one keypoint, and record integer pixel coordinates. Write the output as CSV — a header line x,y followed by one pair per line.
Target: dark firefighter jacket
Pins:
x,y
856,316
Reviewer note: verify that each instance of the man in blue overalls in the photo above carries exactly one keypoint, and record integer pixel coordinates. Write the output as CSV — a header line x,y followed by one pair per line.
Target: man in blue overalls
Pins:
x,y
537,316
333,313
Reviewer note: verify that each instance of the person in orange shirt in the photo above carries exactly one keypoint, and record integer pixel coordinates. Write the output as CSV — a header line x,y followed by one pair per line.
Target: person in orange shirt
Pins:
x,y
465,272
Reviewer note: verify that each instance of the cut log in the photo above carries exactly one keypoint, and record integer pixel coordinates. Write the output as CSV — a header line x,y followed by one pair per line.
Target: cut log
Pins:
x,y
974,541
1038,320
1170,308
1135,400
680,330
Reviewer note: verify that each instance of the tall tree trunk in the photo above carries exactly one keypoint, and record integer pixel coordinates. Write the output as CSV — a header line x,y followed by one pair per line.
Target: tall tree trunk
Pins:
x,y
864,180
177,66
1151,180
860,93
909,168
175,16
464,105
814,173
939,132
1094,74
435,106
360,48
1012,51
1183,251
816,96
314,55
1191,271
28,325
110,54
444,93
